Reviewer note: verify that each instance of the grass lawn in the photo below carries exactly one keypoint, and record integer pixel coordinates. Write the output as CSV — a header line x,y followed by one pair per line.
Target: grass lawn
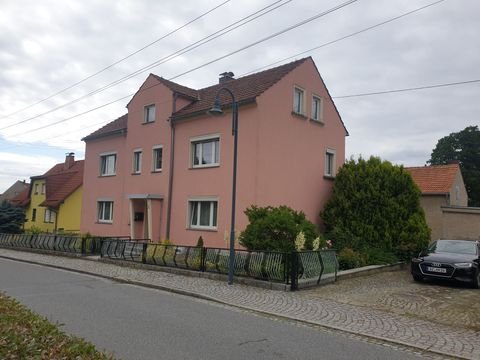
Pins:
x,y
25,335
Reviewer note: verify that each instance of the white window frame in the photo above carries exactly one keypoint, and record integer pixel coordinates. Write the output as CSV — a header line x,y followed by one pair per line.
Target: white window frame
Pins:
x,y
301,102
48,216
43,188
147,114
106,156
137,161
330,170
203,140
213,213
102,216
154,158
36,189
318,116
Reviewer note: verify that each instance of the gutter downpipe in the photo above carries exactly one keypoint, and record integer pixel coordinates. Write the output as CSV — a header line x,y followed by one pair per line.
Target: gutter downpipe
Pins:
x,y
170,172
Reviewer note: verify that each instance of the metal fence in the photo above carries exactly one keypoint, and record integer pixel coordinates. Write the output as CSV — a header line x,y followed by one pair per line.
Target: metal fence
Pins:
x,y
298,269
55,242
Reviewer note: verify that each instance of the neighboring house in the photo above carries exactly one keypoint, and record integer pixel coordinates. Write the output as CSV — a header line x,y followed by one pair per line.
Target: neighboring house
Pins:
x,y
164,169
13,191
445,202
55,198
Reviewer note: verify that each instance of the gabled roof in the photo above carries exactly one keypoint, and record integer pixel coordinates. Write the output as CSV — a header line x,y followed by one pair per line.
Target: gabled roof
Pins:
x,y
14,190
246,89
61,182
22,199
118,126
435,179
177,88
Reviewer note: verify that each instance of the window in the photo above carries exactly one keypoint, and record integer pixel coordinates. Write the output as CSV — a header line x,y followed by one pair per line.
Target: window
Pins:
x,y
34,215
49,216
330,163
43,188
36,189
205,152
149,114
298,101
317,109
137,161
203,214
105,211
157,158
108,164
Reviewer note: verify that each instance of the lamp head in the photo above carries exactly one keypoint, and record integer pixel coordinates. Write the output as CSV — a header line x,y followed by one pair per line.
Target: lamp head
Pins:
x,y
217,108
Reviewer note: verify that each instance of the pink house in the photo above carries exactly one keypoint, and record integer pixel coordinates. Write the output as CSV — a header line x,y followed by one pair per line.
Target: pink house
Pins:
x,y
164,169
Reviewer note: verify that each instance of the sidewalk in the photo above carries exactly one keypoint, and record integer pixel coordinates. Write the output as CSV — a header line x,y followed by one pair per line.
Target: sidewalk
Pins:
x,y
420,334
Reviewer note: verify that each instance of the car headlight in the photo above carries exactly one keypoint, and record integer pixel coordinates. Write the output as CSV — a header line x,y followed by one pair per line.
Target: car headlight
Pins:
x,y
417,260
464,265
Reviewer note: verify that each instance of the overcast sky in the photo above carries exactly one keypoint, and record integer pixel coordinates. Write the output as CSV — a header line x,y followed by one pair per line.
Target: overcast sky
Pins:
x,y
47,46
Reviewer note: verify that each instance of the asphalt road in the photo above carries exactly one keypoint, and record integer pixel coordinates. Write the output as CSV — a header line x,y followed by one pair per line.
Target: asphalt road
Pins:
x,y
139,323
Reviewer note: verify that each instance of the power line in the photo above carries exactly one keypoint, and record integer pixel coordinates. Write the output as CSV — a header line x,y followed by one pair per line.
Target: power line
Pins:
x,y
301,23
343,37
118,61
165,59
407,89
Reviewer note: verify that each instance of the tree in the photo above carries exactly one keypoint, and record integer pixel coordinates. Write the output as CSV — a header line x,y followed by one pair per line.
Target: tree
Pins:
x,y
464,147
276,229
374,212
11,219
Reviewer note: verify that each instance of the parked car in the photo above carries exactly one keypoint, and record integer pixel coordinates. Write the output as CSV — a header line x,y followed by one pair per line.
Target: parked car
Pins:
x,y
457,260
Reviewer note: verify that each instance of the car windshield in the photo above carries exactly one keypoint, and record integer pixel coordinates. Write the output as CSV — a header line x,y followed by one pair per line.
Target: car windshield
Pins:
x,y
454,246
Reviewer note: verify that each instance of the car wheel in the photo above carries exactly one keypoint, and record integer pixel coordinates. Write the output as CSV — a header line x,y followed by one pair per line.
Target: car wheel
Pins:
x,y
417,278
476,280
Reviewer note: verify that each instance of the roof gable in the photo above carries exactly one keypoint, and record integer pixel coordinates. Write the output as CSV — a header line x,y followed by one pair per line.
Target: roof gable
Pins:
x,y
435,179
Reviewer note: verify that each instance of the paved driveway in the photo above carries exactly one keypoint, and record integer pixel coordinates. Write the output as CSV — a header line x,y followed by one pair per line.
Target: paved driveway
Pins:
x,y
396,292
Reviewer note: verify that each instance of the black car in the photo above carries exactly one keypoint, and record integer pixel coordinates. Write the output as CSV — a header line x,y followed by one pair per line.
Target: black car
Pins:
x,y
449,260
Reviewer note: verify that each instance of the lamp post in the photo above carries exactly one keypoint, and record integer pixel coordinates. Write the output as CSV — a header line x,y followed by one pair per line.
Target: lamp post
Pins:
x,y
217,110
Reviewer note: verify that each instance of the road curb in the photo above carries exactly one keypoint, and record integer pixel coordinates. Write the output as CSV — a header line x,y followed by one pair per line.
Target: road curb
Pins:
x,y
243,307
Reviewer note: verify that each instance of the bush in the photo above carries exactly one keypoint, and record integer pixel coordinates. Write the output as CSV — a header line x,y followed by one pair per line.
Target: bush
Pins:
x,y
375,211
350,259
200,241
276,228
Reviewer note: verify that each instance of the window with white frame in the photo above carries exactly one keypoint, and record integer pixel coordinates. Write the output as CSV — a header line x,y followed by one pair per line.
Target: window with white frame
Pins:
x,y
317,108
105,211
205,152
149,114
43,188
330,163
203,214
48,216
108,164
298,100
36,189
137,161
157,158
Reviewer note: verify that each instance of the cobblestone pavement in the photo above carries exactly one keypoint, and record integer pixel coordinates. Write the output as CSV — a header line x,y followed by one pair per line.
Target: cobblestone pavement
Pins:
x,y
331,311
395,292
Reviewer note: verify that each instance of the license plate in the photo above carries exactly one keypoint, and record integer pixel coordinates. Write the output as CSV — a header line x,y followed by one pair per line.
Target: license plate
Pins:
x,y
437,270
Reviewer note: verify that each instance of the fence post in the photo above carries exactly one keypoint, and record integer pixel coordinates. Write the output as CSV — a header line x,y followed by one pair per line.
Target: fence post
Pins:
x,y
84,240
294,271
144,253
204,259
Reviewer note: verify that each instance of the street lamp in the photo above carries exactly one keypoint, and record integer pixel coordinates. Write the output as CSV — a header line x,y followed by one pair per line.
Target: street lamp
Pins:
x,y
217,110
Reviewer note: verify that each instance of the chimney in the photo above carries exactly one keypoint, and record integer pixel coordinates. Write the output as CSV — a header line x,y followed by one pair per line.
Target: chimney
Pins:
x,y
69,160
226,77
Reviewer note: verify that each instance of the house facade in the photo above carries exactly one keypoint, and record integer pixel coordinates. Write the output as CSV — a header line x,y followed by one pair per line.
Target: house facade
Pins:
x,y
164,170
445,202
54,199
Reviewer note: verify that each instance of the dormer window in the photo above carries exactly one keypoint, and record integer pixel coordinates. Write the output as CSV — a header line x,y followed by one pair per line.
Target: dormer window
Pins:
x,y
149,114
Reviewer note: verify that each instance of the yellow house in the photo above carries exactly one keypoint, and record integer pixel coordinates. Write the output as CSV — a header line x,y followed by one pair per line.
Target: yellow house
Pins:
x,y
55,198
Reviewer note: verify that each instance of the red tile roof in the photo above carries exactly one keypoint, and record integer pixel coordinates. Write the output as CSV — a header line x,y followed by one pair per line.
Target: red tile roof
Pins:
x,y
180,89
22,199
117,126
436,179
61,182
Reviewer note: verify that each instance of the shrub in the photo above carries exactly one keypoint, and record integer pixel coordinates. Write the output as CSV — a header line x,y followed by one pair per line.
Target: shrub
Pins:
x,y
375,210
200,241
276,229
350,259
